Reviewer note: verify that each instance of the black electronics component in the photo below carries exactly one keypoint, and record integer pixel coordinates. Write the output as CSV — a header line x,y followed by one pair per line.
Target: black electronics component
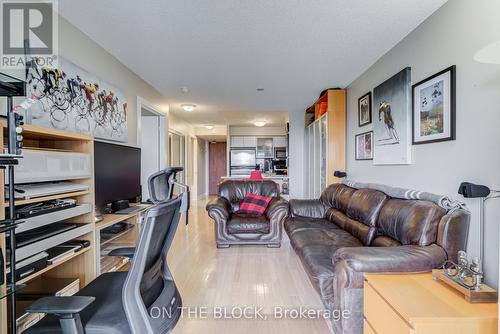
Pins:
x,y
29,266
37,209
117,170
59,253
80,243
37,234
119,205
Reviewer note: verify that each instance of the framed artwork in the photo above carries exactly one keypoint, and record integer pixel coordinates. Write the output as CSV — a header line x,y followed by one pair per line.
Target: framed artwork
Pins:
x,y
392,124
73,99
434,108
365,109
364,146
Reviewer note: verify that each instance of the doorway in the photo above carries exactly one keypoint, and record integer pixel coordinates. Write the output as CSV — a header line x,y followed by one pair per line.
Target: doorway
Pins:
x,y
177,153
151,139
217,167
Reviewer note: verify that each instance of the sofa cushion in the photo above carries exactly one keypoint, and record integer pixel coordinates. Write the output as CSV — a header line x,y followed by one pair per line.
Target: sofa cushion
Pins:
x,y
325,236
365,205
241,223
359,230
293,224
337,196
411,222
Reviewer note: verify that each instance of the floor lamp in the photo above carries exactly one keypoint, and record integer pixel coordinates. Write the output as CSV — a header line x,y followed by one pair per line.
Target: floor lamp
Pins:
x,y
490,54
471,190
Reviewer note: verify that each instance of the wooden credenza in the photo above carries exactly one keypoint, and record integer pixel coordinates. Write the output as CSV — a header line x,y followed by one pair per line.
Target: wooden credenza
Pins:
x,y
417,304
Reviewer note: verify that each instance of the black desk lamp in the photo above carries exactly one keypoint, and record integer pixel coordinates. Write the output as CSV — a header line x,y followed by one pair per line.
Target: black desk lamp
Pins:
x,y
471,190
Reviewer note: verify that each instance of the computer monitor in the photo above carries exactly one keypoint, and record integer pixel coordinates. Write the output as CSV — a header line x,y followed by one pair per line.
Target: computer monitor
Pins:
x,y
117,173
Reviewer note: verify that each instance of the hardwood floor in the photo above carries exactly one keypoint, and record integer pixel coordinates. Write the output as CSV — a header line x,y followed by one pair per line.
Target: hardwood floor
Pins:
x,y
239,276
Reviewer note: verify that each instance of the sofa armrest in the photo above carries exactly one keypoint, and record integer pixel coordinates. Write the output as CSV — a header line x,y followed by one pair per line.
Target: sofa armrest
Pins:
x,y
219,206
276,205
310,208
354,261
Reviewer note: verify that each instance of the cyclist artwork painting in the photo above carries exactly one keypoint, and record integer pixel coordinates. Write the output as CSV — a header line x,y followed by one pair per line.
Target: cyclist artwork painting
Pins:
x,y
70,98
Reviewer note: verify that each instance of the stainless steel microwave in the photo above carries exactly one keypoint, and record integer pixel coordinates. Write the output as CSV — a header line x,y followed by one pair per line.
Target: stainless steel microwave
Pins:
x,y
280,153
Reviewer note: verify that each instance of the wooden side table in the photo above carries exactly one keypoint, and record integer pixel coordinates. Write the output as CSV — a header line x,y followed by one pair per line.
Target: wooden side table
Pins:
x,y
417,304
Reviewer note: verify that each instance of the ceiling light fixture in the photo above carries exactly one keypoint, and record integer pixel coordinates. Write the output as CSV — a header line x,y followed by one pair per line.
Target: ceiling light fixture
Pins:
x,y
188,107
259,123
490,54
209,127
260,89
184,89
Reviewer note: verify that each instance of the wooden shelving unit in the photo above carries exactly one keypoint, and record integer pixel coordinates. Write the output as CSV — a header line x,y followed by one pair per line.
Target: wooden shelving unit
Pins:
x,y
127,238
82,264
335,116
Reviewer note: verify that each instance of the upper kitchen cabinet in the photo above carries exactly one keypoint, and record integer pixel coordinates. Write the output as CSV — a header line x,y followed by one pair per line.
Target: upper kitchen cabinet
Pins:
x,y
279,141
250,141
243,141
264,148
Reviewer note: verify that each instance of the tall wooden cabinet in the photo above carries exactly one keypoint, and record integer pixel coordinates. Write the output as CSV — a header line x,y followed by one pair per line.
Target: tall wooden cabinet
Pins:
x,y
325,142
81,265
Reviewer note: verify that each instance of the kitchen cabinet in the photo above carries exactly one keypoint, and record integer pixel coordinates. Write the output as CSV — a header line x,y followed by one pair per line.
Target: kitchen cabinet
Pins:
x,y
237,141
243,141
250,141
264,148
279,141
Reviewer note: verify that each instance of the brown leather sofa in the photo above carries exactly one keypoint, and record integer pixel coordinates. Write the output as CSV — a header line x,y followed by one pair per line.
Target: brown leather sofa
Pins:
x,y
349,232
232,228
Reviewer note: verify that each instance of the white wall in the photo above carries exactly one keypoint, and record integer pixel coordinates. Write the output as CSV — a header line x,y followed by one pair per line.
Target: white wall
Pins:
x,y
451,36
84,52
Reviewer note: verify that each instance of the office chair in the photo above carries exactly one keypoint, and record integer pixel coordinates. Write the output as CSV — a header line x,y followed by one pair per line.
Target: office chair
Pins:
x,y
121,302
161,188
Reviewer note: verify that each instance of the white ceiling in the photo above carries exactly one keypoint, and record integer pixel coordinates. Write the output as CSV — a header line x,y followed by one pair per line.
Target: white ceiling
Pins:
x,y
223,50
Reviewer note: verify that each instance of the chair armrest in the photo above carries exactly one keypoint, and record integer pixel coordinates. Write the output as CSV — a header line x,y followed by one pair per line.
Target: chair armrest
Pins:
x,y
124,251
310,208
60,305
220,206
277,204
354,261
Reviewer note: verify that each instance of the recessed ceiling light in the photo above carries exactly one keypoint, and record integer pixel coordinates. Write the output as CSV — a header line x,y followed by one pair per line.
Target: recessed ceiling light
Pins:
x,y
260,89
259,123
188,107
184,89
209,127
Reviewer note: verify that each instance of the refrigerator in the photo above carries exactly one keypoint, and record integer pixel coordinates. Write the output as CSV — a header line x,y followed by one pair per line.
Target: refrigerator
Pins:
x,y
242,161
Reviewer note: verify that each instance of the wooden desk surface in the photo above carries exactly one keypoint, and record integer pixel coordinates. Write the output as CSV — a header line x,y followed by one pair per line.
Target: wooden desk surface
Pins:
x,y
418,298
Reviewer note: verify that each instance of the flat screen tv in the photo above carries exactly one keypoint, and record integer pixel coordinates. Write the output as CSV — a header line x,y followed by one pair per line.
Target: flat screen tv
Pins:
x,y
117,173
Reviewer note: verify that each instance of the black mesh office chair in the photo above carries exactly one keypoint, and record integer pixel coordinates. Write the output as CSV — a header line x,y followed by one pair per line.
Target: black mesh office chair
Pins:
x,y
121,302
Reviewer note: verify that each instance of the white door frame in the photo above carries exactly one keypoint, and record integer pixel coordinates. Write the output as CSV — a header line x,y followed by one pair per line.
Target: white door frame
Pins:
x,y
163,128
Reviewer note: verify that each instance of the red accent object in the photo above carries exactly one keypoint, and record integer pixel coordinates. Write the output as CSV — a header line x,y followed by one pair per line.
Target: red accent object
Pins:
x,y
254,204
256,175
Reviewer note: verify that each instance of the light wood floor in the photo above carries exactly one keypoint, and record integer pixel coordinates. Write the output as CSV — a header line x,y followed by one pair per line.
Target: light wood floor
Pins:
x,y
239,276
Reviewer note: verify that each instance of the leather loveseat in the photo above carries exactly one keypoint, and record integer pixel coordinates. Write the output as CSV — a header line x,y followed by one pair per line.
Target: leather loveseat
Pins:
x,y
233,228
349,232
